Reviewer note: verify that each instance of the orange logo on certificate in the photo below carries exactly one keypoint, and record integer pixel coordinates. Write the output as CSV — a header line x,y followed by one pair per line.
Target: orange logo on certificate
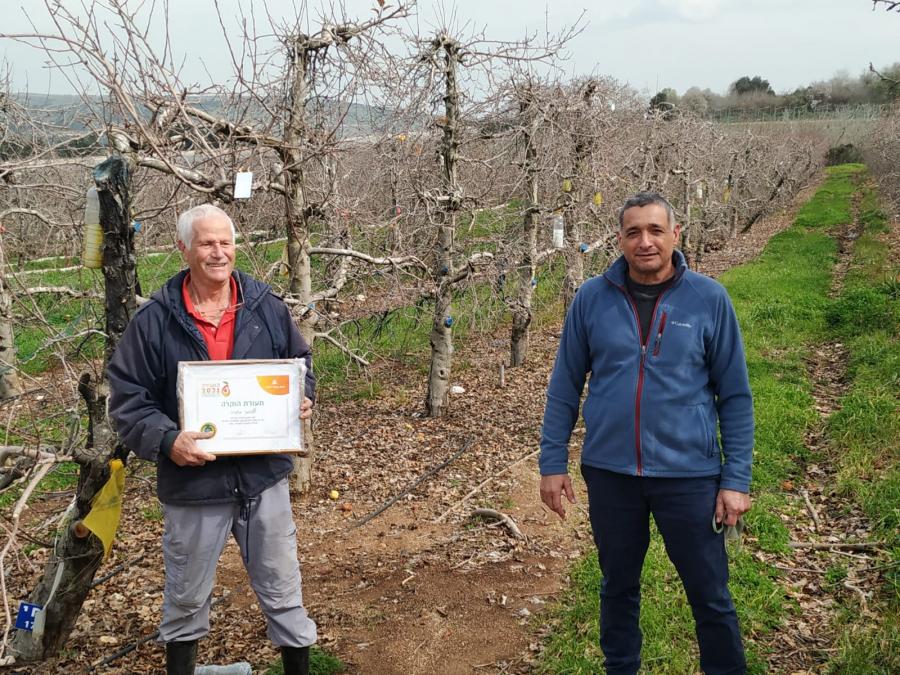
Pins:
x,y
278,385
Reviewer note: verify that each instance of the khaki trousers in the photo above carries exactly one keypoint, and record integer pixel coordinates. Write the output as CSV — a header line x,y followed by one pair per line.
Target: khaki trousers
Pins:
x,y
264,529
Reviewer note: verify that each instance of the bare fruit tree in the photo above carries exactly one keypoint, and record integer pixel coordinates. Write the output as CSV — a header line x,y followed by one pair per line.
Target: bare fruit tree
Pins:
x,y
472,152
76,555
287,123
530,120
881,150
888,5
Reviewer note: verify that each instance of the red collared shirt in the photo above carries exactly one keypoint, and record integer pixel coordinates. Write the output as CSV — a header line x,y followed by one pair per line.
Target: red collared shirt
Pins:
x,y
219,339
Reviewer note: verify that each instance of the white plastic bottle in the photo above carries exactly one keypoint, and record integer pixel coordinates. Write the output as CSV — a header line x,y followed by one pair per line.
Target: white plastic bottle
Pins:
x,y
559,231
93,233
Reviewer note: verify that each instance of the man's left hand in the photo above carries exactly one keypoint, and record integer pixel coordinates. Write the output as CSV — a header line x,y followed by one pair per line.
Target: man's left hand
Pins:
x,y
306,408
731,505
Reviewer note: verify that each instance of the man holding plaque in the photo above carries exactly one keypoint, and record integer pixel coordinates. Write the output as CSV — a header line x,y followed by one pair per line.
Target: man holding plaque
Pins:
x,y
665,356
212,312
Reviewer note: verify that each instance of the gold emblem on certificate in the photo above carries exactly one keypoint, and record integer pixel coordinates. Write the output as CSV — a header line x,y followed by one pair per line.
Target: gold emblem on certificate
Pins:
x,y
250,407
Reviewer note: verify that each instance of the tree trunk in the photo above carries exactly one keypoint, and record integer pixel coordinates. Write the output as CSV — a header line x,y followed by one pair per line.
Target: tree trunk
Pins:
x,y
77,557
297,223
700,230
113,179
441,337
442,322
339,226
9,377
574,257
687,220
521,310
584,140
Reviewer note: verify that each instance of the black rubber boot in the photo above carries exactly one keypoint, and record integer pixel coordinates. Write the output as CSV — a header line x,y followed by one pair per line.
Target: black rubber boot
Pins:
x,y
181,657
295,660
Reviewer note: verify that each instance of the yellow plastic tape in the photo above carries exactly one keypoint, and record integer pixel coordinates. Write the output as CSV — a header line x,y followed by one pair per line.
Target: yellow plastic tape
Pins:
x,y
106,506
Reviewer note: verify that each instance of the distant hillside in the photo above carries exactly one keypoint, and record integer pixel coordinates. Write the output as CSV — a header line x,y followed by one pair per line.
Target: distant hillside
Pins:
x,y
71,114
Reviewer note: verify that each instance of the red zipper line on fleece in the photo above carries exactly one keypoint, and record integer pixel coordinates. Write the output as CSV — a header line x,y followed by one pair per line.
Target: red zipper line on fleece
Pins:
x,y
640,382
662,327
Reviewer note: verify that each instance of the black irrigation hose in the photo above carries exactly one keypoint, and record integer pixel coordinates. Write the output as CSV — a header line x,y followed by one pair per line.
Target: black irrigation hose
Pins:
x,y
115,570
127,649
412,486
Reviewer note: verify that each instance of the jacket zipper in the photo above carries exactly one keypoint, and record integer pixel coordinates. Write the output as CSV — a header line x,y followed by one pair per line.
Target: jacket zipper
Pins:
x,y
662,327
640,382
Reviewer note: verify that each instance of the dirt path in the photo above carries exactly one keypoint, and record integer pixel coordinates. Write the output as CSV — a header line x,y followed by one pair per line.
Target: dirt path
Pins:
x,y
422,588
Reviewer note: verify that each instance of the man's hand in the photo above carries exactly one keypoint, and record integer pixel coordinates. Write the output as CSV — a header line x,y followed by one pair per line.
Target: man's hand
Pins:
x,y
306,408
731,505
185,452
552,489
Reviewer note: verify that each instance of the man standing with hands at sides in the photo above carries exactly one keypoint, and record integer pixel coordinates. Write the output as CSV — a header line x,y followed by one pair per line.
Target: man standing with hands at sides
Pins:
x,y
667,374
210,311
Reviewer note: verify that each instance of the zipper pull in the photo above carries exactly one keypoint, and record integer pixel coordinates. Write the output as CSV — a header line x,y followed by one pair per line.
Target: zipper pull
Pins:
x,y
643,353
662,327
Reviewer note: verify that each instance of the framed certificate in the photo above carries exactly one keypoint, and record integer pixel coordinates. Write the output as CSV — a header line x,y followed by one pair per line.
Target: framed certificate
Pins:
x,y
251,407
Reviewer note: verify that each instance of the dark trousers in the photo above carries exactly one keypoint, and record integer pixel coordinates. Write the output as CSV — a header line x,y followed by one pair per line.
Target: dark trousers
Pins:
x,y
620,508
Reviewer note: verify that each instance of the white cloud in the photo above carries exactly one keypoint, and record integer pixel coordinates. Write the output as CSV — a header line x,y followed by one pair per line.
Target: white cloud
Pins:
x,y
648,43
693,9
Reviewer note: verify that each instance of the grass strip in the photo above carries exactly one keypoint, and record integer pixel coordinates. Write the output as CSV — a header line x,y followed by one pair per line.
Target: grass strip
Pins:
x,y
864,437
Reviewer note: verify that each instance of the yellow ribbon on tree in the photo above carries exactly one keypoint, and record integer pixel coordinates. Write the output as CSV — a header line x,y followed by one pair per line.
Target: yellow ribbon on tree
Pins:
x,y
106,506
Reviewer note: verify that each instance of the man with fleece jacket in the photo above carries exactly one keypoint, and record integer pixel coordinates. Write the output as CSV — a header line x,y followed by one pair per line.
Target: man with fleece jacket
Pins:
x,y
663,351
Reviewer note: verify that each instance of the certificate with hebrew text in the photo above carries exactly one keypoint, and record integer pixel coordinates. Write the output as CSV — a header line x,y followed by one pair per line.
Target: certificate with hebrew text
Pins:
x,y
250,407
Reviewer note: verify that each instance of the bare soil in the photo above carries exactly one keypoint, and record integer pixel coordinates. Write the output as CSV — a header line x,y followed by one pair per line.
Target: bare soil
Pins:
x,y
407,592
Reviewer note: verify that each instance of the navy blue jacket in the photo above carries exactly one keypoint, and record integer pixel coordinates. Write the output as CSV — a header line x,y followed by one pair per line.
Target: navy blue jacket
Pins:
x,y
143,405
654,410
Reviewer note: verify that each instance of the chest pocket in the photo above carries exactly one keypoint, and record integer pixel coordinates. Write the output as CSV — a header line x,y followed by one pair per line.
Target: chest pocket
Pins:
x,y
676,337
613,340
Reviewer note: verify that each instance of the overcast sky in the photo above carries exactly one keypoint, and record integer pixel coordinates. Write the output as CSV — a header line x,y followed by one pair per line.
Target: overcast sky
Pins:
x,y
649,44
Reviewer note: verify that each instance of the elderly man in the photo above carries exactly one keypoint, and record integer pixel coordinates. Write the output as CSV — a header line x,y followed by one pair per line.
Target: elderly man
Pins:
x,y
209,311
667,370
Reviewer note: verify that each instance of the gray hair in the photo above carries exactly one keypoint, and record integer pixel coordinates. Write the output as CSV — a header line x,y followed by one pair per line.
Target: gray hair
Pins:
x,y
184,229
646,199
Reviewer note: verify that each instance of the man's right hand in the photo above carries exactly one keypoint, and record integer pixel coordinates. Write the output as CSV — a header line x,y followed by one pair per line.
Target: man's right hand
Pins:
x,y
185,452
552,489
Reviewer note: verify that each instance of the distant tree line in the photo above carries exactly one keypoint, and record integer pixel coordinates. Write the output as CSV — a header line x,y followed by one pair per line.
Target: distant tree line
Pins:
x,y
755,93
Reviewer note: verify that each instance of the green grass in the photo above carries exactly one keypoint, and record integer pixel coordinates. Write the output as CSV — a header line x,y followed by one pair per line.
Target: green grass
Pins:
x,y
865,432
63,476
669,644
782,303
152,513
320,663
486,224
864,435
831,204
400,335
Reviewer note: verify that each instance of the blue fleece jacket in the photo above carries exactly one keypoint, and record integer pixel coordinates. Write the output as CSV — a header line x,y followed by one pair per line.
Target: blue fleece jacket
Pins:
x,y
652,410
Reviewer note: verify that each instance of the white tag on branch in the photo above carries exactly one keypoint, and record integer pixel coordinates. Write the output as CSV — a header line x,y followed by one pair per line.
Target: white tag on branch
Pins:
x,y
243,184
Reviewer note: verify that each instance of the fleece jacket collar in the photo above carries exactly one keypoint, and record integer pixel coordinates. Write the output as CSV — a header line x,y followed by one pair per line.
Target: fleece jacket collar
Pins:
x,y
617,271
